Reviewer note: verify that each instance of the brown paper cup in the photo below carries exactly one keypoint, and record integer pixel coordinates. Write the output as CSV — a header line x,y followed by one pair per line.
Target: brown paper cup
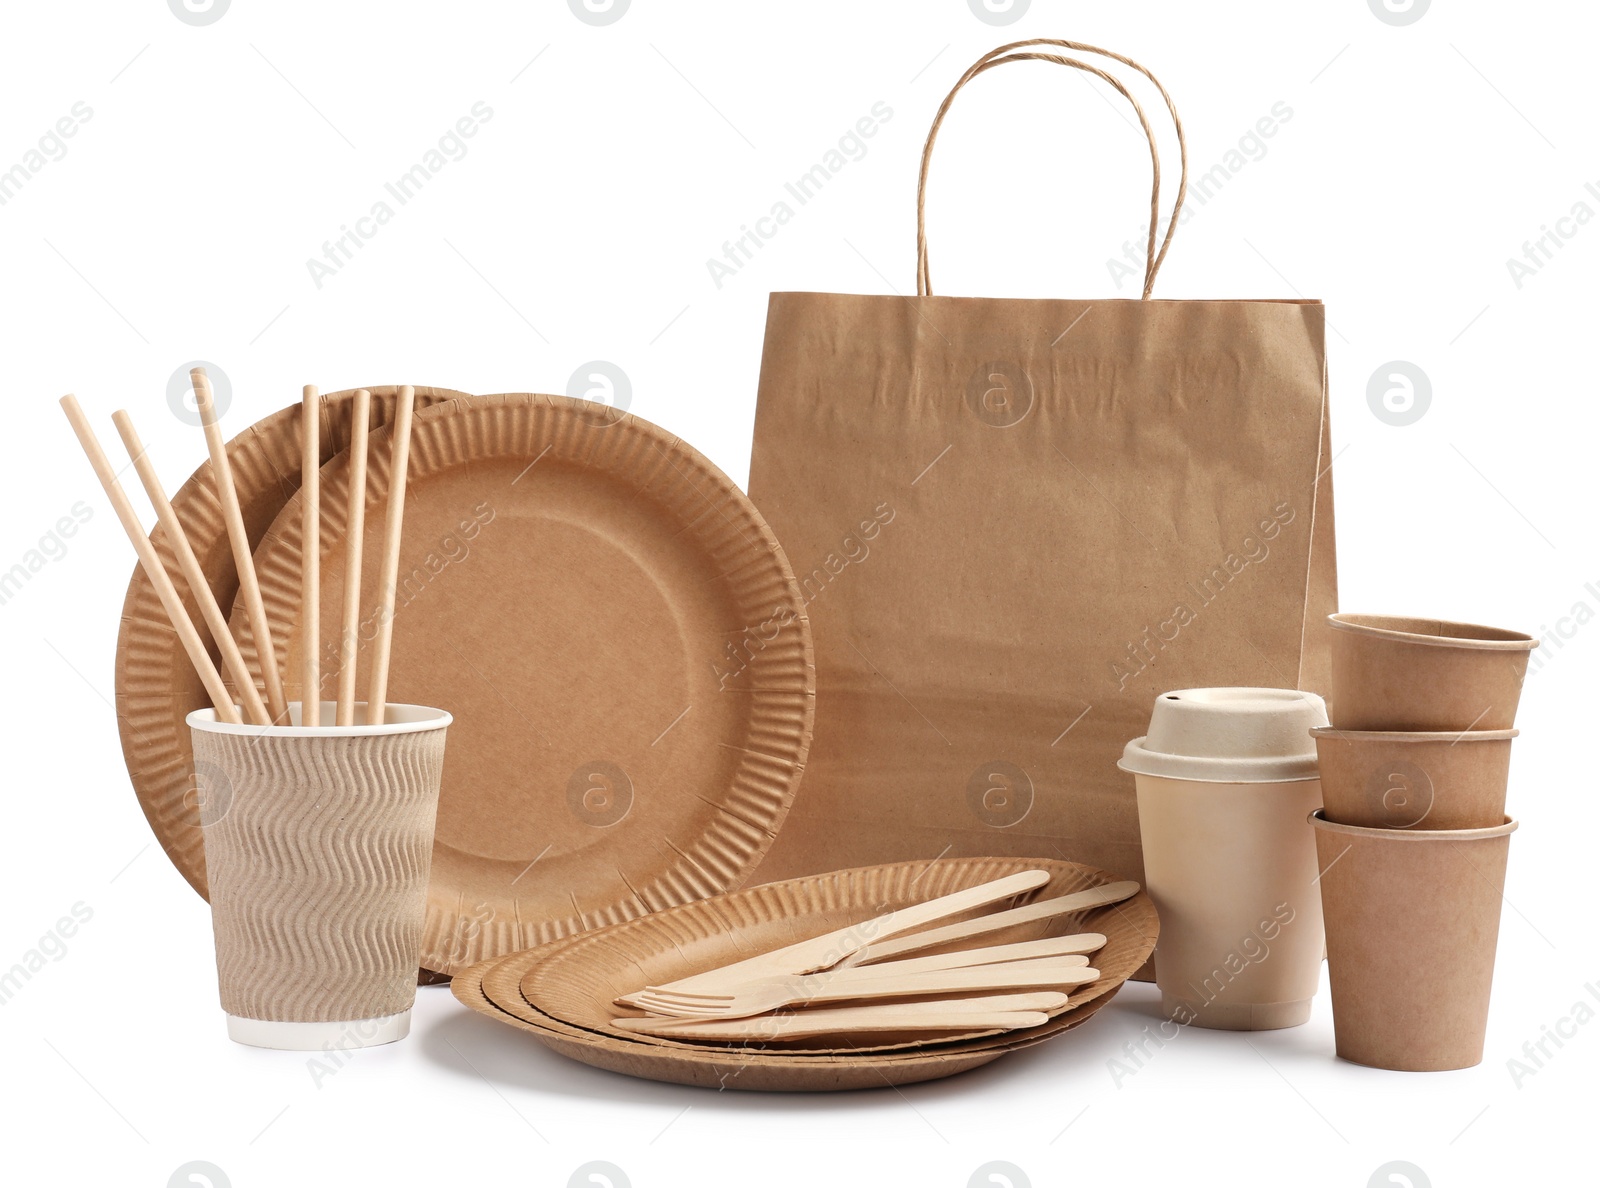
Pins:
x,y
318,843
1392,673
1412,918
1414,780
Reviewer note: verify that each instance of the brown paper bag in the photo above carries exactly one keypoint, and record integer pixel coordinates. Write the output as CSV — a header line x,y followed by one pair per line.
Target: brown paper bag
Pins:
x,y
1016,523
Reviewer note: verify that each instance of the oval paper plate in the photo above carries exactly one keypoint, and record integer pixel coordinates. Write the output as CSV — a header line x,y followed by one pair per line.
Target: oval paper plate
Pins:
x,y
619,638
156,687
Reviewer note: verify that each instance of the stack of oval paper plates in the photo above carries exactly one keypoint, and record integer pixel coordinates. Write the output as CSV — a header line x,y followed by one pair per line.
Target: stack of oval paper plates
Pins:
x,y
564,992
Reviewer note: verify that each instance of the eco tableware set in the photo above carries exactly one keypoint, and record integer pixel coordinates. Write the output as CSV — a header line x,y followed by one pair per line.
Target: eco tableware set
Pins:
x,y
1413,839
634,673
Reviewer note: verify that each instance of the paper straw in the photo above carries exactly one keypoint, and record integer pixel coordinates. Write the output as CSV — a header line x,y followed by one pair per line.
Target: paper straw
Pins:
x,y
310,557
189,565
170,602
378,689
249,588
350,624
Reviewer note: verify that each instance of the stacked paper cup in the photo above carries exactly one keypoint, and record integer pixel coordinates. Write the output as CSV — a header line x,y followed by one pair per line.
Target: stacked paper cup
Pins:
x,y
1413,835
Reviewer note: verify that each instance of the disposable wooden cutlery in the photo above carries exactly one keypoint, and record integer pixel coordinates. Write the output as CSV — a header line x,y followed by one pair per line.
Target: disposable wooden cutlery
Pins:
x,y
756,998
1066,948
1044,909
820,952
1004,1012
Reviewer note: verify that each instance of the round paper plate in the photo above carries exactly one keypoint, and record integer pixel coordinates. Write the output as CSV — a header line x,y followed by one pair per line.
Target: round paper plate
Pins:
x,y
578,983
502,983
619,638
156,688
725,1069
744,1068
493,988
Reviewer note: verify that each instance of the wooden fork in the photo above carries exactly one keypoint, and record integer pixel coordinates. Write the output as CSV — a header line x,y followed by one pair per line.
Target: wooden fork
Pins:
x,y
757,998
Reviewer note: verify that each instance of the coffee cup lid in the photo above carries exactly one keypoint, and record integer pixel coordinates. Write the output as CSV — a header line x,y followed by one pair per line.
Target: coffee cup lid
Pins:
x,y
1230,736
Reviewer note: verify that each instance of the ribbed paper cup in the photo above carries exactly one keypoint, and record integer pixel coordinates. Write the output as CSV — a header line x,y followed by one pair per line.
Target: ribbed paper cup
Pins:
x,y
1388,779
1413,917
318,843
1394,673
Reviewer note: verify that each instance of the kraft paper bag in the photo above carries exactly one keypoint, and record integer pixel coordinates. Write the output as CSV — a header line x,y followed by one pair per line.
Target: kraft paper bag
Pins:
x,y
1016,522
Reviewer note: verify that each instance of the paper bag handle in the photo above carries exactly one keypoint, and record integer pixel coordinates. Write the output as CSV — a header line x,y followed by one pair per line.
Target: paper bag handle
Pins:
x,y
1006,53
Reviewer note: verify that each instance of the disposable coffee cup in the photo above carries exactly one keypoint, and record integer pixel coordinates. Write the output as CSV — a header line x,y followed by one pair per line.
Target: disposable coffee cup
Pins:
x,y
1394,673
1387,779
1413,918
318,843
1225,780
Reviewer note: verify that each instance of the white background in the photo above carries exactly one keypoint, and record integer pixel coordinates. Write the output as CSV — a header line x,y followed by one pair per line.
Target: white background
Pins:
x,y
618,159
